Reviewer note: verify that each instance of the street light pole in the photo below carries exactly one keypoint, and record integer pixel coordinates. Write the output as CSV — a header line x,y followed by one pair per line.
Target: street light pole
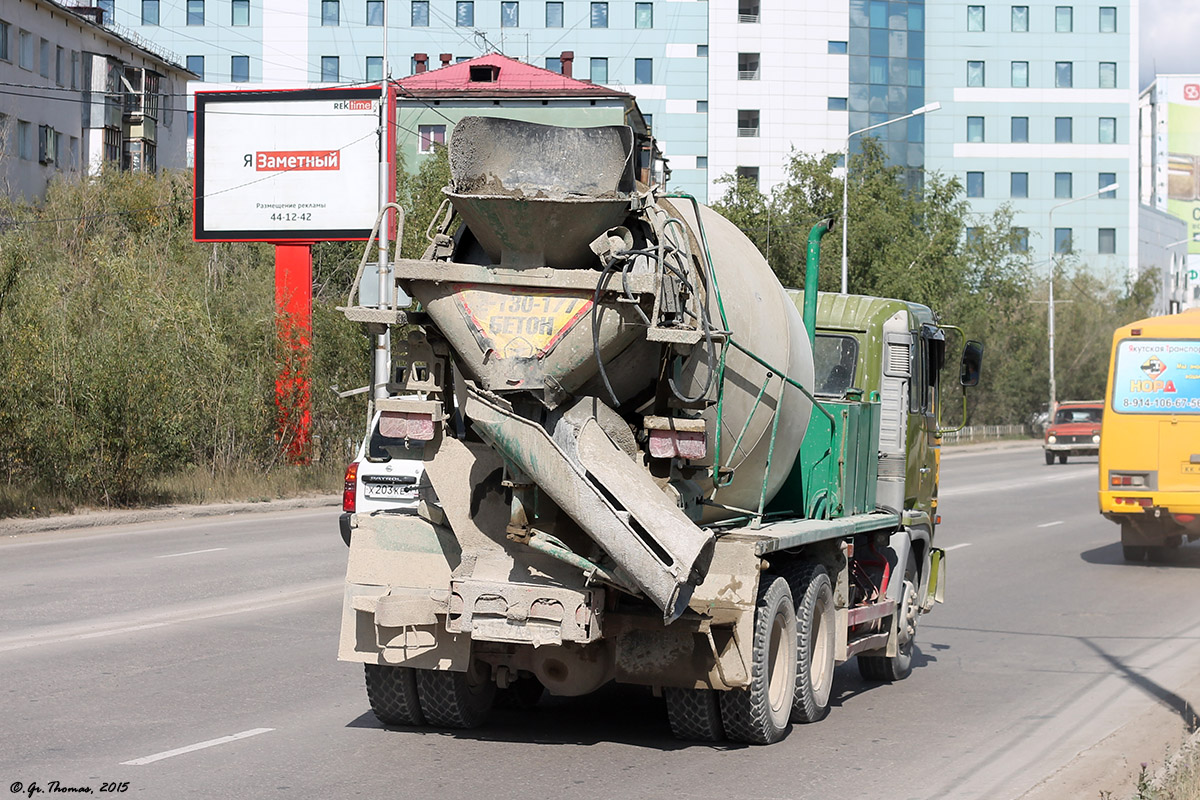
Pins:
x,y
925,109
1112,187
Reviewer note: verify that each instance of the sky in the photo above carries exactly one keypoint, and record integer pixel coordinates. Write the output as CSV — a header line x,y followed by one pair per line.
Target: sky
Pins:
x,y
1170,39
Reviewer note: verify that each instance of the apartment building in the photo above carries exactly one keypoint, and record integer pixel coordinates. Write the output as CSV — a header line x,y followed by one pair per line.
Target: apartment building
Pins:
x,y
79,95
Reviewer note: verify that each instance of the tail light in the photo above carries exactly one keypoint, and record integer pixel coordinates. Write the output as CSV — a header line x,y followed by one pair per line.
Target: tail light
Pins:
x,y
349,491
1144,502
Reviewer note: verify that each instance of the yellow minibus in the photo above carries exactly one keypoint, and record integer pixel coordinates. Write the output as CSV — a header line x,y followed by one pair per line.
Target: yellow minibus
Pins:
x,y
1150,438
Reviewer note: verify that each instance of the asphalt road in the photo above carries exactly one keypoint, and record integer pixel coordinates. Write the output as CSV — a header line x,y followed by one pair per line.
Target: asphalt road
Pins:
x,y
197,659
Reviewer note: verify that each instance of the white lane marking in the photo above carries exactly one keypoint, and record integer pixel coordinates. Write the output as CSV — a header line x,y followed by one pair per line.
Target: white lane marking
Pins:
x,y
239,604
998,487
956,546
1051,524
193,552
191,748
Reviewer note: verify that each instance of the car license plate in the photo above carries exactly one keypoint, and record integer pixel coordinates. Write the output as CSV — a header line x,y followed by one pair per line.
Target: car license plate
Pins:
x,y
385,490
1191,469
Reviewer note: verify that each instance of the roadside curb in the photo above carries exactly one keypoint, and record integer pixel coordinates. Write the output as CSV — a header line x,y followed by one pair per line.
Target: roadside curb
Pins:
x,y
98,518
997,444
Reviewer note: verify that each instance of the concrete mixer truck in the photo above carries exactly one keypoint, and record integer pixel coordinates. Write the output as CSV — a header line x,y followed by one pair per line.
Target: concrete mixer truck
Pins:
x,y
645,461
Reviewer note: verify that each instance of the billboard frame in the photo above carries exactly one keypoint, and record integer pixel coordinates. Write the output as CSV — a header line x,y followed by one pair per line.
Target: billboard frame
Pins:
x,y
201,233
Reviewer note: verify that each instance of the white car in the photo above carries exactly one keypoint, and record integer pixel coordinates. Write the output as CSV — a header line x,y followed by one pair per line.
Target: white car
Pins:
x,y
383,477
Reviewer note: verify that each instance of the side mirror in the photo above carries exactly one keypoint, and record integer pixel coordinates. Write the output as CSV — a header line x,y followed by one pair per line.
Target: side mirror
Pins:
x,y
972,361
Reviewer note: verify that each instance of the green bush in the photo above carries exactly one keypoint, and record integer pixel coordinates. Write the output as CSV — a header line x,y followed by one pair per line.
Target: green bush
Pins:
x,y
129,352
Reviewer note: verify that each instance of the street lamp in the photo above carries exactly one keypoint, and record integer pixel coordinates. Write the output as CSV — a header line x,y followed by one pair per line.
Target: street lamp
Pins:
x,y
1112,187
925,109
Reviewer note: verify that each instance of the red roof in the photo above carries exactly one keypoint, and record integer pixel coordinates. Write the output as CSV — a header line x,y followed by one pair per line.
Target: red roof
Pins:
x,y
495,74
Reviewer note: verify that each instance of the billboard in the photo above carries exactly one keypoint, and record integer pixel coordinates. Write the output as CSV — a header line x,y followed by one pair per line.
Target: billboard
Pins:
x,y
1183,153
280,166
1157,376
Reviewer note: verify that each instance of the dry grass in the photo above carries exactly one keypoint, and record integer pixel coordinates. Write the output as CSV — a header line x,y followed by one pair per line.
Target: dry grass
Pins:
x,y
1177,779
193,486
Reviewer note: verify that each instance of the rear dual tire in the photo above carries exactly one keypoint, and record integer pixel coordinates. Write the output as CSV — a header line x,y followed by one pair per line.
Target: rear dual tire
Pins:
x,y
405,697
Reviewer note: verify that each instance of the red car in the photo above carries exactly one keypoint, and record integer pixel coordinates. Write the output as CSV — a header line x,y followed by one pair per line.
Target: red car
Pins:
x,y
1075,431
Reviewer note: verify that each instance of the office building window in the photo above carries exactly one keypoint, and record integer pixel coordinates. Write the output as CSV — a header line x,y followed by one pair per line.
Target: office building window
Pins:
x,y
464,13
1063,130
240,13
554,15
1108,19
239,69
643,70
330,68
419,14
1018,184
60,66
974,235
916,72
374,68
702,51
701,162
1108,130
1020,19
701,106
1108,241
747,123
916,130
1064,19
4,47
974,129
431,137
974,73
375,13
599,15
1020,129
1018,242
643,15
74,69
195,12
331,13
974,184
598,70
1020,74
149,12
510,14
878,70
877,13
837,48
554,65
916,17
196,64
748,66
836,104
44,58
1108,75
974,18
1064,75
1062,240
1062,184
748,174
1107,179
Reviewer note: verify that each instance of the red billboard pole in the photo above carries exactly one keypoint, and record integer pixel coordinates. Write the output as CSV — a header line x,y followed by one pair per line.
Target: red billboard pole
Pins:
x,y
293,328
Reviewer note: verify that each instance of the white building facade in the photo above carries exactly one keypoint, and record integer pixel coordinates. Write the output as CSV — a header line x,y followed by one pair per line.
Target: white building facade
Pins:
x,y
78,96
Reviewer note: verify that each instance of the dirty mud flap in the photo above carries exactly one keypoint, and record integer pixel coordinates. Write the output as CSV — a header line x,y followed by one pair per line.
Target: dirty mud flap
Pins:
x,y
597,485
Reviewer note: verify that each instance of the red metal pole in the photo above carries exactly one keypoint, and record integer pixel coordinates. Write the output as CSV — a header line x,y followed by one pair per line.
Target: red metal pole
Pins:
x,y
293,307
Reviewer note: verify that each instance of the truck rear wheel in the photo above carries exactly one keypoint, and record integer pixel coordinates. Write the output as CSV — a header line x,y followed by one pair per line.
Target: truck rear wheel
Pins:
x,y
456,699
815,642
759,714
694,714
392,693
898,667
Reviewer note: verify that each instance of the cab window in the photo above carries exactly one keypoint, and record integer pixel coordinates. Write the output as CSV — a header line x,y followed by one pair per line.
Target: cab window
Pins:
x,y
835,361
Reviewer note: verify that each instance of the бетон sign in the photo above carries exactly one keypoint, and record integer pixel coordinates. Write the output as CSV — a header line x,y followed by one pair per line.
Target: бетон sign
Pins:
x,y
282,166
